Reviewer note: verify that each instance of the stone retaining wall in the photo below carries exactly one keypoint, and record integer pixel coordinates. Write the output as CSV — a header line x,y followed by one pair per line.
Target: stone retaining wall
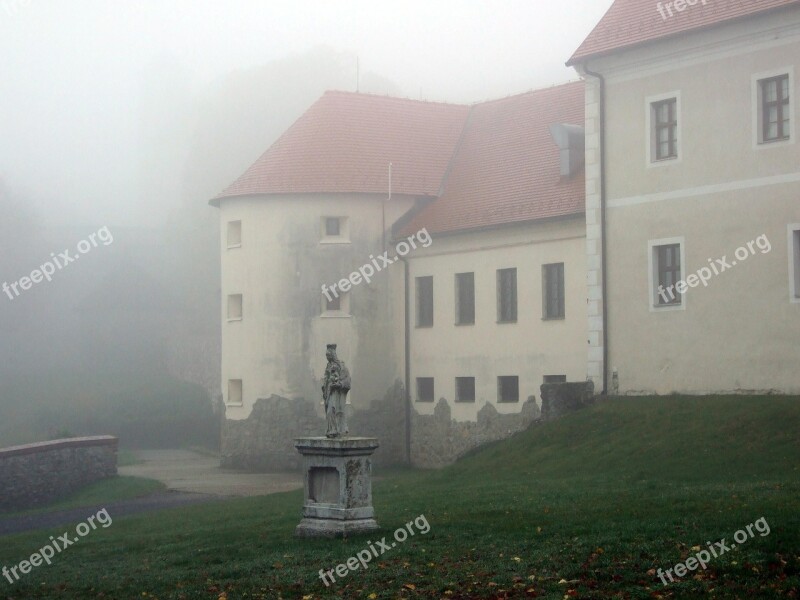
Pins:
x,y
437,440
264,441
559,399
35,474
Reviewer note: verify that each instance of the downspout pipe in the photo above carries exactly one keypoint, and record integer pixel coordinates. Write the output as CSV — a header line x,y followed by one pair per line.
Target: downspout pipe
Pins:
x,y
603,259
407,341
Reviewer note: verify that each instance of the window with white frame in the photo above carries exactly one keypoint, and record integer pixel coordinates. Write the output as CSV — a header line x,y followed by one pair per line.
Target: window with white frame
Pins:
x,y
663,127
235,307
773,107
665,265
234,235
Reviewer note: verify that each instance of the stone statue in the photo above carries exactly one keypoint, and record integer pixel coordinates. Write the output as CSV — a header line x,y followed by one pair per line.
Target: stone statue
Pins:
x,y
335,385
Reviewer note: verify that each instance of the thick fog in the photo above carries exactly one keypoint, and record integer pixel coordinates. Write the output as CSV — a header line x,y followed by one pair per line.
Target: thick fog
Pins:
x,y
126,117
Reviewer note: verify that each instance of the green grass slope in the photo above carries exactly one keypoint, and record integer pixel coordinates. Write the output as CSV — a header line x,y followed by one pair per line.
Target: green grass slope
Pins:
x,y
590,506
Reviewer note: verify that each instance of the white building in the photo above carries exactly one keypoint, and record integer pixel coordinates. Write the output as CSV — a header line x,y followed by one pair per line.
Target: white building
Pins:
x,y
693,181
491,300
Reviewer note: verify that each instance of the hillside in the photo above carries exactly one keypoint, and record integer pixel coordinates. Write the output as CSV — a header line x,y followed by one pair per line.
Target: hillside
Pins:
x,y
591,506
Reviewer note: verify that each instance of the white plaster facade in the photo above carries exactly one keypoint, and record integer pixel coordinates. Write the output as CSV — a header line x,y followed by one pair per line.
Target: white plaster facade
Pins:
x,y
529,348
724,189
278,345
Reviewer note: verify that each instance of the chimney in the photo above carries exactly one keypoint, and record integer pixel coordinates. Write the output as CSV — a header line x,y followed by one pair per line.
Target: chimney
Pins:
x,y
571,141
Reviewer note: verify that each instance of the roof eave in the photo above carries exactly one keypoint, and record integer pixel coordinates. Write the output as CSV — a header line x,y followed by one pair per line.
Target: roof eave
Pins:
x,y
582,59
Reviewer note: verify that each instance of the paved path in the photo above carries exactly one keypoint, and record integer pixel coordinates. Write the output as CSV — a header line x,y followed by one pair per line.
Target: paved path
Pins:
x,y
187,471
190,478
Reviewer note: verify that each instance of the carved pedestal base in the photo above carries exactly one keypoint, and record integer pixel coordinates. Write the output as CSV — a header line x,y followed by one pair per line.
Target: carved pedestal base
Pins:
x,y
338,486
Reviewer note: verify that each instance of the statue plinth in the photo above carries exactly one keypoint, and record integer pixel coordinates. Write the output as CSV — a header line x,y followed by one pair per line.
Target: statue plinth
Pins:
x,y
337,485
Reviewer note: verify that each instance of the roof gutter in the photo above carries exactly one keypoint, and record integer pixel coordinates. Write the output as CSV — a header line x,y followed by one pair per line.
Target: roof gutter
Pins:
x,y
603,260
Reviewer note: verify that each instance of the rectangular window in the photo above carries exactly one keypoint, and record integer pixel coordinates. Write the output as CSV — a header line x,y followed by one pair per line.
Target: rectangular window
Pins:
x,y
553,285
234,391
664,119
555,379
335,304
424,389
334,230
775,108
332,226
465,389
234,234
465,298
667,260
506,295
508,388
234,307
424,301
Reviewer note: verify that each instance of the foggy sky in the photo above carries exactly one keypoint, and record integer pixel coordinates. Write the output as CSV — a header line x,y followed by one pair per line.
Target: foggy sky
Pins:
x,y
73,75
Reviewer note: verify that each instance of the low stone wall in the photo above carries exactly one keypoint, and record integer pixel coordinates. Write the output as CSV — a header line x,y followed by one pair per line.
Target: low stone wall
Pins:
x,y
264,441
437,440
35,474
559,399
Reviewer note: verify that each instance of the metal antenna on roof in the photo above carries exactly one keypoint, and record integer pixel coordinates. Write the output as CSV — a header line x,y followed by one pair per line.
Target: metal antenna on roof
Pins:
x,y
383,209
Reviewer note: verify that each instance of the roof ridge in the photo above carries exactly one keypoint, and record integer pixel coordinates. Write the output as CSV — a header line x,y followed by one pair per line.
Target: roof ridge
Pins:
x,y
530,92
390,97
456,150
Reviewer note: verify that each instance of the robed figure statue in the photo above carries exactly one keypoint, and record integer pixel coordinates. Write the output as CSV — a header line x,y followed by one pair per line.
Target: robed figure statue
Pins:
x,y
335,386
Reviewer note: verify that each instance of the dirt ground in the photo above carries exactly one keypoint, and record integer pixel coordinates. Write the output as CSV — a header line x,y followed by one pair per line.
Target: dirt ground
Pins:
x,y
190,478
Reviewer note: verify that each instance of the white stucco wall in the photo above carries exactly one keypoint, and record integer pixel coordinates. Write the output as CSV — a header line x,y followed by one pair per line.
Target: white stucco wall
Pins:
x,y
740,332
279,345
531,347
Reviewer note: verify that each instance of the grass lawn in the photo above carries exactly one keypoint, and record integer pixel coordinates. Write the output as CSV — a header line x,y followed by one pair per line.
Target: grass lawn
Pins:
x,y
585,507
100,492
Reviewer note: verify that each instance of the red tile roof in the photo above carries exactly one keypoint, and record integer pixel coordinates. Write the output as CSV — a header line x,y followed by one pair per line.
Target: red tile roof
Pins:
x,y
345,142
508,167
492,163
632,22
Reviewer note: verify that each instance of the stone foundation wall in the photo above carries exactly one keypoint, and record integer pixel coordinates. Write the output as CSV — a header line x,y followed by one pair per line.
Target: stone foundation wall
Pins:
x,y
35,474
559,399
264,441
437,440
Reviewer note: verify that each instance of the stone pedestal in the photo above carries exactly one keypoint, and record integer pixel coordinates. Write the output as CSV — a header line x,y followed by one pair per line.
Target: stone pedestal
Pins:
x,y
338,486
